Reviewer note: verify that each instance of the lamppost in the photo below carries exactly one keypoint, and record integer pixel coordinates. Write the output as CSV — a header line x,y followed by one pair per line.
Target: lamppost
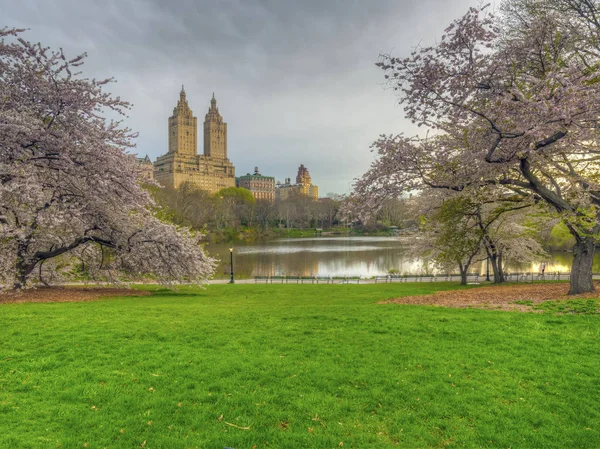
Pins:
x,y
231,264
487,269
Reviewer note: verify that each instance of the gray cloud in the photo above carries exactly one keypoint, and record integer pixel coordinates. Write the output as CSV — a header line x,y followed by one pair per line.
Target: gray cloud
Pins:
x,y
295,80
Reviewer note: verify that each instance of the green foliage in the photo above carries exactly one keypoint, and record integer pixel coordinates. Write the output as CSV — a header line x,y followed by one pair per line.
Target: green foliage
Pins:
x,y
457,238
560,237
307,366
239,195
584,221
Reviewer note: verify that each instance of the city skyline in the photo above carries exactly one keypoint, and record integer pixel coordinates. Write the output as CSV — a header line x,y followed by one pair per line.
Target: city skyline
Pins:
x,y
297,82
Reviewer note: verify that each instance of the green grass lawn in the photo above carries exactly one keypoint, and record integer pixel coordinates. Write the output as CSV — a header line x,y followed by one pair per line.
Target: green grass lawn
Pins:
x,y
307,366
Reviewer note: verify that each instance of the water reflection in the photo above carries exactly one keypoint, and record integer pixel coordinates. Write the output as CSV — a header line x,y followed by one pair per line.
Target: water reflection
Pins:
x,y
347,256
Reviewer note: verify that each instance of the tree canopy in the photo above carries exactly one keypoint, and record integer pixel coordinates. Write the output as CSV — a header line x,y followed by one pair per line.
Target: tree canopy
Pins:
x,y
69,187
512,101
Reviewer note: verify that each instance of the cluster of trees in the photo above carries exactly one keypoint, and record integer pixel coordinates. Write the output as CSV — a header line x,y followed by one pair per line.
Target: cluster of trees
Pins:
x,y
70,193
459,230
232,210
511,101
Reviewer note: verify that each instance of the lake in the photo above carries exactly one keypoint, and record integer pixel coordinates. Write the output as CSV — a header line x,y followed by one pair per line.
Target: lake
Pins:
x,y
346,256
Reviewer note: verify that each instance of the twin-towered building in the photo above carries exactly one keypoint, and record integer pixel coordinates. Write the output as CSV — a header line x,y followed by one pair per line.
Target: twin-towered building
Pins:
x,y
212,170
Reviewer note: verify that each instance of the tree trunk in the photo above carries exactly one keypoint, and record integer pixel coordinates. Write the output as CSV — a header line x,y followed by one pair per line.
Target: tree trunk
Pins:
x,y
21,266
495,260
463,273
494,263
20,279
500,269
581,270
23,269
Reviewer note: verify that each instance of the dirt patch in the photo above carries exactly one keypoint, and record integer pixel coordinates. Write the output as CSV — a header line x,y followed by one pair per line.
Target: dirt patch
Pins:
x,y
495,297
66,294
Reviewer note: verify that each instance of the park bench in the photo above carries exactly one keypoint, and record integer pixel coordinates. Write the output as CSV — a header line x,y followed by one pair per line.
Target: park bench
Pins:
x,y
390,278
277,279
310,279
472,278
324,279
351,280
292,279
259,279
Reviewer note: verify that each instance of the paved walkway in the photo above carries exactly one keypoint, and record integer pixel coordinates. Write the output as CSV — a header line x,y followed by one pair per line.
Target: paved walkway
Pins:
x,y
471,279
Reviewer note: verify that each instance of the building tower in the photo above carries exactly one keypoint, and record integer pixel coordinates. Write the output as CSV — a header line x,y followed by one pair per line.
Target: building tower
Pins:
x,y
215,133
303,177
183,126
211,171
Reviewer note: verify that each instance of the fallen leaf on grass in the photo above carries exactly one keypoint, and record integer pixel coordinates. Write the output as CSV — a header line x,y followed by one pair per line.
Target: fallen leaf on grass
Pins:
x,y
67,294
316,418
220,418
236,426
502,297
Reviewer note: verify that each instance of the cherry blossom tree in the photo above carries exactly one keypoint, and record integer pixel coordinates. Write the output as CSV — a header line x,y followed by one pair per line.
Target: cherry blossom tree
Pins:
x,y
458,229
69,188
449,236
511,101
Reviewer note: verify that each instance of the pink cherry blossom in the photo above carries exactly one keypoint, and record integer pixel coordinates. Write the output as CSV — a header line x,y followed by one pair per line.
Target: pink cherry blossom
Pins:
x,y
70,189
511,101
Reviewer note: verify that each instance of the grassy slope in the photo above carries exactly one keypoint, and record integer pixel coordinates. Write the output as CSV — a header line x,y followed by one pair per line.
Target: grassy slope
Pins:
x,y
283,360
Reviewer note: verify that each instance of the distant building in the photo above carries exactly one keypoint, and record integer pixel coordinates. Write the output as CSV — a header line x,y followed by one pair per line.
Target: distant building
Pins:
x,y
147,167
211,171
262,187
303,186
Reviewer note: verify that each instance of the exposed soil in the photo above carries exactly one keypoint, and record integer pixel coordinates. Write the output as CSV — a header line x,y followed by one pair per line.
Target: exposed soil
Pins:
x,y
495,297
66,294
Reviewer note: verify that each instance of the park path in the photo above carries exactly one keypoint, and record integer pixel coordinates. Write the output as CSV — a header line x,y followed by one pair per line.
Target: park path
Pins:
x,y
471,279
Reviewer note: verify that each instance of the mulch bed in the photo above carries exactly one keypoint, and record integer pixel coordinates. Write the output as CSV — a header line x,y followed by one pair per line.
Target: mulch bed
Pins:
x,y
495,297
66,294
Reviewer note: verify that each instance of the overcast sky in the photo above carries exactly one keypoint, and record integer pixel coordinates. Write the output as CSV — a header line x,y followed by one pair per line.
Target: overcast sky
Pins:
x,y
294,80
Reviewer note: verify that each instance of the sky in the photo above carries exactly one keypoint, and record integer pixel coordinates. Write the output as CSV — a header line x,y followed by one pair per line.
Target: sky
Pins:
x,y
295,80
